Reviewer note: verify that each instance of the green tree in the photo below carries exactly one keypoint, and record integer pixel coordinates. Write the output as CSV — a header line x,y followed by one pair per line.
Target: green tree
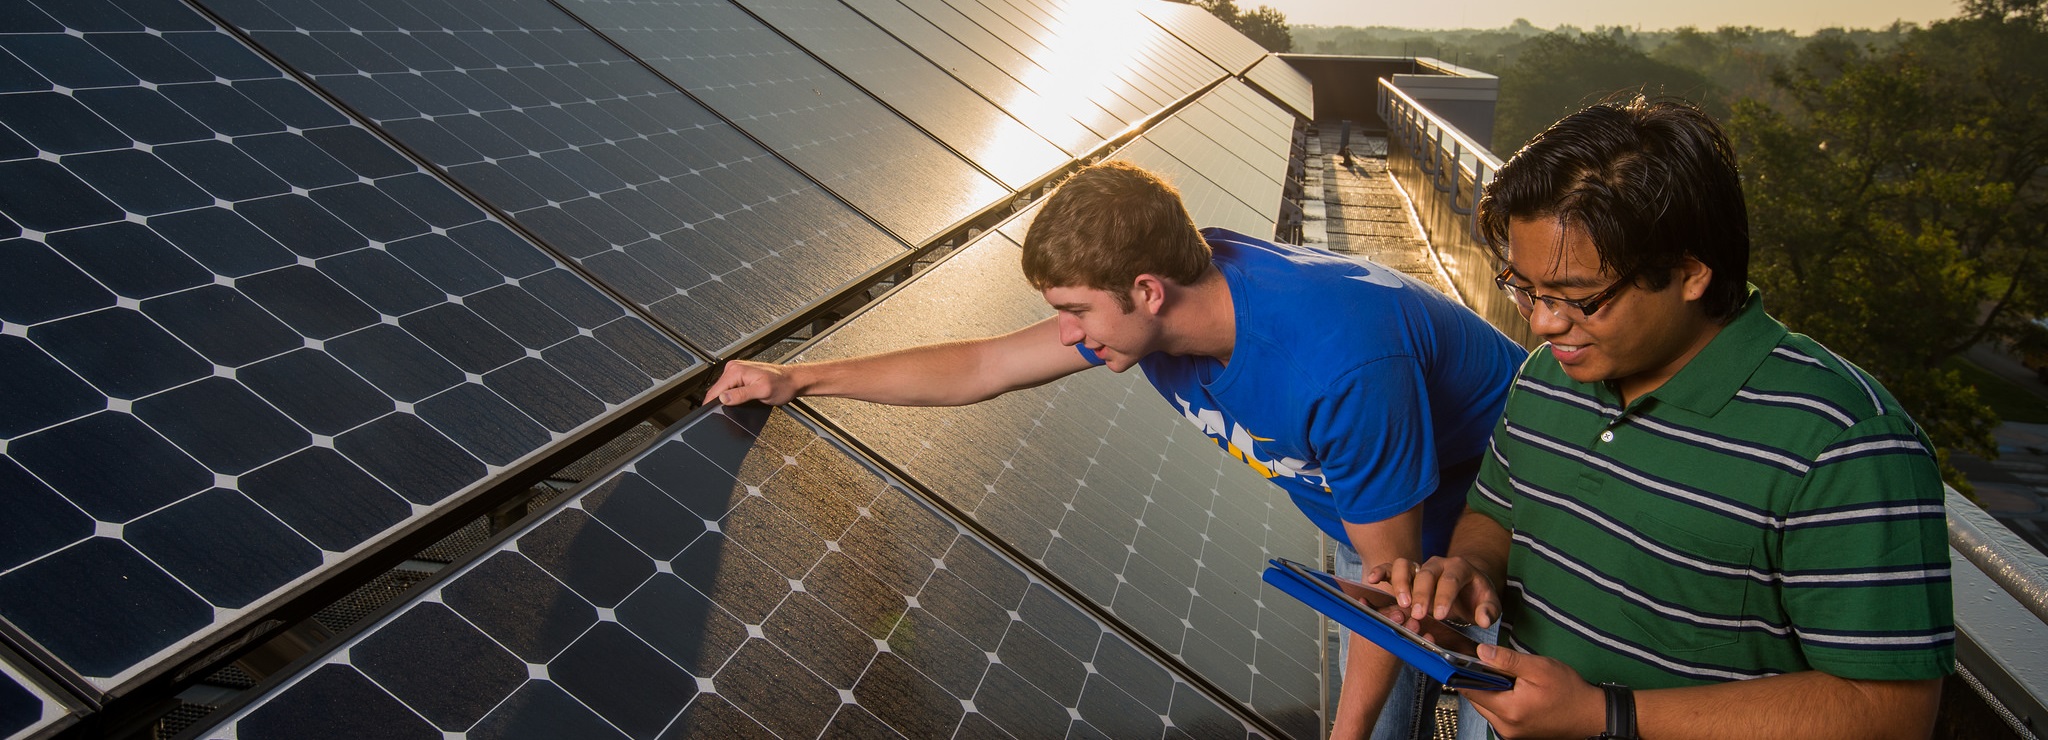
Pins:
x,y
1898,207
1556,74
1264,25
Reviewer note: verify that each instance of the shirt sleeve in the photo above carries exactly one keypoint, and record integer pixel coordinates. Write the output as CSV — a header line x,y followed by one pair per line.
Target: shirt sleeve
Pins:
x,y
1373,434
1864,557
1088,354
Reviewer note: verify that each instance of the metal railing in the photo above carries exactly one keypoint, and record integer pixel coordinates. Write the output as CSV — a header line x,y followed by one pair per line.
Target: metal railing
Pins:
x,y
1444,172
2001,583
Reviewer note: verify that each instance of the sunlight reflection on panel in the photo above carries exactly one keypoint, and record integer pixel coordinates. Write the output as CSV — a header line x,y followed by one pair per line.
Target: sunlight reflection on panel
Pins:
x,y
1077,67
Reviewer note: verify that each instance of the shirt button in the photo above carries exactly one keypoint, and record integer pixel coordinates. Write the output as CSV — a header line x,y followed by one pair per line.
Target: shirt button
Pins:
x,y
1607,436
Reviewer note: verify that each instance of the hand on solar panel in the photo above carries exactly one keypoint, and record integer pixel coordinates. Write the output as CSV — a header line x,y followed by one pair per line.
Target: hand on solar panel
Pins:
x,y
742,381
948,374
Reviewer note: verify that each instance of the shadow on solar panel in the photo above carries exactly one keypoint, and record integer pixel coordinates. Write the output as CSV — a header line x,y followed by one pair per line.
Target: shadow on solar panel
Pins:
x,y
745,577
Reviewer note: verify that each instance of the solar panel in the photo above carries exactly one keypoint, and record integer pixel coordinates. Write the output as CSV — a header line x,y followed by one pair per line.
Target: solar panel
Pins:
x,y
1208,34
980,74
1254,148
648,191
1229,165
1281,80
745,577
26,708
1257,143
1245,102
1202,151
1105,52
1209,203
1102,483
245,340
911,84
800,108
1069,95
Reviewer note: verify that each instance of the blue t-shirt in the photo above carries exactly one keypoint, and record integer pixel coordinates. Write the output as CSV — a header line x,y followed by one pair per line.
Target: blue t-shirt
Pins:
x,y
1351,384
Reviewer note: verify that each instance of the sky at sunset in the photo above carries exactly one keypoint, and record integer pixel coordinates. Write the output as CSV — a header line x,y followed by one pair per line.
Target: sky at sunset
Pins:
x,y
1804,17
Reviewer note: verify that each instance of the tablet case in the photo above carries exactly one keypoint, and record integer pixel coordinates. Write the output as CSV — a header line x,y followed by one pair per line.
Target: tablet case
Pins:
x,y
1350,614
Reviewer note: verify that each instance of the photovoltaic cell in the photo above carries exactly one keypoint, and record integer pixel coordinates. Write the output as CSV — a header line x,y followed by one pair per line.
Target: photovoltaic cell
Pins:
x,y
597,156
744,577
246,340
1102,483
1206,33
912,85
1021,102
800,108
1279,79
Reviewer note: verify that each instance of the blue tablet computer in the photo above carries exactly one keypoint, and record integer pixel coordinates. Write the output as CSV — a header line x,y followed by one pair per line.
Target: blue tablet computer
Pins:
x,y
1325,593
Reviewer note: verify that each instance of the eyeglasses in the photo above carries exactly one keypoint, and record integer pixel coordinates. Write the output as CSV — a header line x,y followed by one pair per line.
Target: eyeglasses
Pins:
x,y
1526,299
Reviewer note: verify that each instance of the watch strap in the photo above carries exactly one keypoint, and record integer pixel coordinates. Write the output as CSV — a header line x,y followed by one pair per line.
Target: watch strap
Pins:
x,y
1621,712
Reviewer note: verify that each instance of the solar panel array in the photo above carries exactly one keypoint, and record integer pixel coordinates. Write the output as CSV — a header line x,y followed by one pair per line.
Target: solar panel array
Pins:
x,y
290,281
246,340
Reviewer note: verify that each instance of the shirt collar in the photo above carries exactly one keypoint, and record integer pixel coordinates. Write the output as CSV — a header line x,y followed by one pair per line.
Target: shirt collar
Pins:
x,y
1711,379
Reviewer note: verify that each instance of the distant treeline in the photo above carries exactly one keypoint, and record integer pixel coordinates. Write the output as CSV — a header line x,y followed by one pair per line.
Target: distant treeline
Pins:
x,y
1548,73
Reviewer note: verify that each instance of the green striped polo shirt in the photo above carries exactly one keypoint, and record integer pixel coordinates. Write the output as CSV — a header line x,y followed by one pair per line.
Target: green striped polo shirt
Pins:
x,y
1769,509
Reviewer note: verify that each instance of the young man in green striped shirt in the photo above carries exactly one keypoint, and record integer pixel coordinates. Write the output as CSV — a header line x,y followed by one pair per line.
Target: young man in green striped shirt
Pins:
x,y
1692,523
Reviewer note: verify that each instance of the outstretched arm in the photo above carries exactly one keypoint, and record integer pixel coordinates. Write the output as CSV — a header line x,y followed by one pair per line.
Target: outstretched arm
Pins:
x,y
949,374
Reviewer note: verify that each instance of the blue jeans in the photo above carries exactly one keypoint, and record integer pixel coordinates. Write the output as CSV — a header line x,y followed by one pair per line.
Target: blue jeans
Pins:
x,y
1410,711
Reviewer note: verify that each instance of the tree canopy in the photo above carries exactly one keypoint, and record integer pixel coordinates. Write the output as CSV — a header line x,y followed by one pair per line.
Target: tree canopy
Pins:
x,y
1262,24
1898,207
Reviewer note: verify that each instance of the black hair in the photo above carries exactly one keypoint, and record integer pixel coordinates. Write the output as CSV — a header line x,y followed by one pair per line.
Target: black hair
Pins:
x,y
1651,182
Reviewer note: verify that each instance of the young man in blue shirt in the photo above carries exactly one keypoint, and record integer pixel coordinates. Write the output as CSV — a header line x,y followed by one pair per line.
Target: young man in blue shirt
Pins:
x,y
1364,394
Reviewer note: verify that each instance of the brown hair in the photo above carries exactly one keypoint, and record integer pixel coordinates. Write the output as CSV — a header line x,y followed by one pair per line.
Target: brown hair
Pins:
x,y
1109,223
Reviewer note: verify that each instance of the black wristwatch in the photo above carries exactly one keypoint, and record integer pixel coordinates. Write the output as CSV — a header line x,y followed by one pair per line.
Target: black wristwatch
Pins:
x,y
1621,713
